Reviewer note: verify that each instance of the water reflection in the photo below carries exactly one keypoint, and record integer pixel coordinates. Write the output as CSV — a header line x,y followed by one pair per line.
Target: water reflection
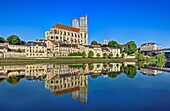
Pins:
x,y
73,78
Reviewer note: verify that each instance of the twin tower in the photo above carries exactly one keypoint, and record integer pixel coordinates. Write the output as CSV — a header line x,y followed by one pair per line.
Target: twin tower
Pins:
x,y
83,26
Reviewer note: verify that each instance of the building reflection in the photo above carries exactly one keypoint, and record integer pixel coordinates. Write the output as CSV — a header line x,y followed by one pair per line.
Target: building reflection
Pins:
x,y
63,78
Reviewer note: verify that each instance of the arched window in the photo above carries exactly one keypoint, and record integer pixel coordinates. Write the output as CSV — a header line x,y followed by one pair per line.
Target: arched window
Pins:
x,y
75,35
72,34
52,37
56,37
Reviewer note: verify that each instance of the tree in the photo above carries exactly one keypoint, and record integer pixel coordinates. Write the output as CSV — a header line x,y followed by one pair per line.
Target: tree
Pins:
x,y
90,54
113,74
84,55
13,80
117,55
114,44
98,55
90,67
130,71
2,40
1,80
94,76
94,42
105,55
110,55
130,47
123,55
14,40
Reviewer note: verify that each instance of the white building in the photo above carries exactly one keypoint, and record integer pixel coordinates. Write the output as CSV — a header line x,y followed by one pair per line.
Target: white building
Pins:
x,y
77,34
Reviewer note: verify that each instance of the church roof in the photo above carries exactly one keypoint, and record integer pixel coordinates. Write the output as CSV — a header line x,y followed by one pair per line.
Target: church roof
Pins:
x,y
60,26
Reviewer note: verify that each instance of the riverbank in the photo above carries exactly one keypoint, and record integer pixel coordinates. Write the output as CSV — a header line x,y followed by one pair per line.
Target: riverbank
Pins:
x,y
61,60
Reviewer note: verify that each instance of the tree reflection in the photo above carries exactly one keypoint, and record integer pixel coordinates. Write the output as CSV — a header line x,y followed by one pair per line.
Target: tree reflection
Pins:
x,y
113,74
13,80
1,80
94,76
130,71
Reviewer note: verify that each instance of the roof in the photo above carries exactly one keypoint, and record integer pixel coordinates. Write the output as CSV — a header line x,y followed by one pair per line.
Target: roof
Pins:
x,y
96,46
36,43
60,26
63,45
150,43
105,48
73,45
56,93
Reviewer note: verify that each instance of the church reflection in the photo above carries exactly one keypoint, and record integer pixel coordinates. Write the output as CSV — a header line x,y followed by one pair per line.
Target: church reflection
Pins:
x,y
68,78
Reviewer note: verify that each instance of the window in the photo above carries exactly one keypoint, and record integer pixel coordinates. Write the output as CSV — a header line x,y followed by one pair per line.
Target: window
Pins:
x,y
56,37
52,37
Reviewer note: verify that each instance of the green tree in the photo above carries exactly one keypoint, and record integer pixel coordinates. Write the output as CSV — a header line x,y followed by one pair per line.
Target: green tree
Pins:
x,y
117,55
114,44
90,67
14,40
140,57
84,55
94,76
1,80
130,71
113,74
13,80
130,47
2,40
104,55
110,55
123,55
98,55
90,54
94,42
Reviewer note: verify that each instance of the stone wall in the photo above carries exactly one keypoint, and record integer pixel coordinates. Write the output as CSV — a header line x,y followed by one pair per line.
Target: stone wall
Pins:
x,y
14,55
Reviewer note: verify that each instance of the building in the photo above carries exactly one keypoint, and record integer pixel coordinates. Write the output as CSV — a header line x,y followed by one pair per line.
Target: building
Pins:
x,y
149,47
75,34
36,49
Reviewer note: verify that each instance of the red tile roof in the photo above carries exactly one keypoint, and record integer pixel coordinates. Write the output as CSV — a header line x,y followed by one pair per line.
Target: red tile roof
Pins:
x,y
56,93
60,26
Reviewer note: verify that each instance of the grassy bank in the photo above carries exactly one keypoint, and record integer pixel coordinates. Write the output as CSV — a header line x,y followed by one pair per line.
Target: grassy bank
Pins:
x,y
60,60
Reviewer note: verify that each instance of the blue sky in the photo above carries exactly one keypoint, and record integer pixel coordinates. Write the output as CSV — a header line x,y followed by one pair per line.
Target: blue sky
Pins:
x,y
120,20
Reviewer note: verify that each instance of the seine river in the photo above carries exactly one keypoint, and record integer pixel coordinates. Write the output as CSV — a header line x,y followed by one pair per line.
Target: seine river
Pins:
x,y
85,87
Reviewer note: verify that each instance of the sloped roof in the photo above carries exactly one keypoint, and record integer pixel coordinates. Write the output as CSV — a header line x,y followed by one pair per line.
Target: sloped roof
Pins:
x,y
60,26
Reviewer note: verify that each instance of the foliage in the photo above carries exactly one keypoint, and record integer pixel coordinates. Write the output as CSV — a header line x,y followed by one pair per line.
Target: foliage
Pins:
x,y
94,42
90,54
114,44
140,57
98,55
84,55
14,40
123,55
130,71
113,74
117,55
13,80
91,67
161,60
2,40
130,47
110,55
75,54
94,76
104,55
1,80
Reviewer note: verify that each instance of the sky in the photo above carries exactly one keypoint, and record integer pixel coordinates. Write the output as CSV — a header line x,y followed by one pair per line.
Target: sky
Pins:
x,y
121,20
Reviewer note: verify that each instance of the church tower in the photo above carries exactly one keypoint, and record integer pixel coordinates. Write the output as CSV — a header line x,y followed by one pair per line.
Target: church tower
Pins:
x,y
84,29
105,42
75,23
83,24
